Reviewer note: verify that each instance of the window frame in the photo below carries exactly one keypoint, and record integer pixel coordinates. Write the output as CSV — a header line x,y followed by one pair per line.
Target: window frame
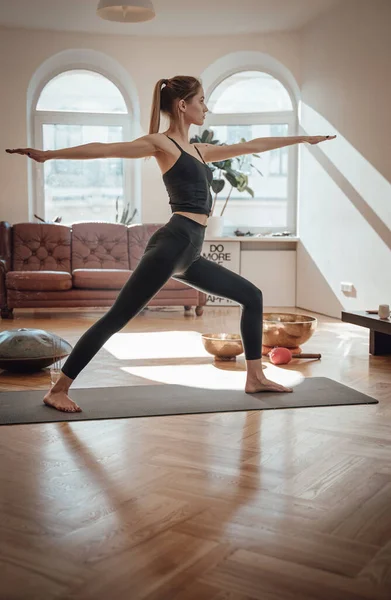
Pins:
x,y
290,118
41,117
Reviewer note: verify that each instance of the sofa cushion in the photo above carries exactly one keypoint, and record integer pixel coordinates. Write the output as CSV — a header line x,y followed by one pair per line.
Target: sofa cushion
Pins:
x,y
173,284
41,247
112,279
100,279
98,245
39,280
16,298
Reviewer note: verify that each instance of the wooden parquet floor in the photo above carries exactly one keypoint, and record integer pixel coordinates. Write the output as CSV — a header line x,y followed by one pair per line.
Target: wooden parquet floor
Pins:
x,y
263,505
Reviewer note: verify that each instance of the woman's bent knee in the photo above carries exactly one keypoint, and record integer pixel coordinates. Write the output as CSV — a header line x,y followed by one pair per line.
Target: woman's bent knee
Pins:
x,y
254,298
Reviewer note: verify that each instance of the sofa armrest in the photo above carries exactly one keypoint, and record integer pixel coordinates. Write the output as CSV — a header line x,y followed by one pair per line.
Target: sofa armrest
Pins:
x,y
3,287
5,243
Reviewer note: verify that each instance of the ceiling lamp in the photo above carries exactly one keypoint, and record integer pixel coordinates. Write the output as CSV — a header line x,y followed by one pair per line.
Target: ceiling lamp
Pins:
x,y
126,11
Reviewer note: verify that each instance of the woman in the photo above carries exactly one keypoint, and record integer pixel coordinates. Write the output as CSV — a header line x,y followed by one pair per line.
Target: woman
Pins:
x,y
174,250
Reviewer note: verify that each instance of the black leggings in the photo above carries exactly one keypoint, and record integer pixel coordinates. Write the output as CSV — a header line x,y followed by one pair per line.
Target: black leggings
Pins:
x,y
174,250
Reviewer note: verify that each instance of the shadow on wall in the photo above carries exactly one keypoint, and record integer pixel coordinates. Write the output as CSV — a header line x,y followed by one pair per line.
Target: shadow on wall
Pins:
x,y
344,224
364,186
319,296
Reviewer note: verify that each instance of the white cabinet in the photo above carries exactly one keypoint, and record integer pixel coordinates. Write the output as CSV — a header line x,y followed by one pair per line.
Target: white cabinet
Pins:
x,y
269,263
227,254
274,272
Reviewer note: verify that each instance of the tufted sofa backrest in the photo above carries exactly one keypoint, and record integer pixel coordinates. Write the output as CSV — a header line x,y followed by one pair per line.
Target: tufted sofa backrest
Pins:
x,y
99,246
91,245
41,247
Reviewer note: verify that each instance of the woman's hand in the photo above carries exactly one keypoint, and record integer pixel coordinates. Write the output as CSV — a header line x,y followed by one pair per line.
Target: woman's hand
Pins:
x,y
37,155
315,139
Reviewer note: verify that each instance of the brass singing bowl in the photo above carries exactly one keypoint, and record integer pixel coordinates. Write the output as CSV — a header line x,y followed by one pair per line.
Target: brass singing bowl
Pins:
x,y
223,346
287,330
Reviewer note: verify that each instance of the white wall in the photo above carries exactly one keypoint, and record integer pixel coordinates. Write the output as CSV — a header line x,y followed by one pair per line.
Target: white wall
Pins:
x,y
146,60
345,192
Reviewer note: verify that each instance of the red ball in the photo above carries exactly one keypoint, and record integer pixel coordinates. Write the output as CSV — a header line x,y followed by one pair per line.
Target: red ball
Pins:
x,y
280,356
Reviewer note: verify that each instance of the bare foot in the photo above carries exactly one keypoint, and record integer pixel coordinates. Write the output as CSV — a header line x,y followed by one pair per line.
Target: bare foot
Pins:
x,y
264,385
61,401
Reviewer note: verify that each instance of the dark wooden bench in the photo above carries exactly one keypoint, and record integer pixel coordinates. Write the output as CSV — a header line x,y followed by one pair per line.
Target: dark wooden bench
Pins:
x,y
379,330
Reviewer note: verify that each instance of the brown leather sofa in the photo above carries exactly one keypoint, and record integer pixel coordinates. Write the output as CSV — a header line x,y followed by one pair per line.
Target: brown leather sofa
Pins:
x,y
52,265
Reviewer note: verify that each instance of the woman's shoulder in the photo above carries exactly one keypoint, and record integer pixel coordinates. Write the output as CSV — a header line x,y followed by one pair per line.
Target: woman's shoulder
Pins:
x,y
160,142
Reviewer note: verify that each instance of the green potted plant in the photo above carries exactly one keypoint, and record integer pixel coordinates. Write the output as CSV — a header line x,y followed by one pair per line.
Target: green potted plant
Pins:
x,y
126,219
226,171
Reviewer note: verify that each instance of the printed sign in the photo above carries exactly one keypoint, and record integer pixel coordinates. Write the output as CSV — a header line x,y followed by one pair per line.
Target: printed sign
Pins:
x,y
226,254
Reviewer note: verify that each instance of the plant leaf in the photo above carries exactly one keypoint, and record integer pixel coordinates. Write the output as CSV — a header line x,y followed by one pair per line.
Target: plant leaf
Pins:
x,y
254,167
231,179
209,137
233,172
217,185
125,214
242,182
130,219
195,139
223,164
134,214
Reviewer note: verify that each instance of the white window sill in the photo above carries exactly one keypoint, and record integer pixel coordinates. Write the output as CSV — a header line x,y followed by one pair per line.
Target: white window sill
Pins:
x,y
253,238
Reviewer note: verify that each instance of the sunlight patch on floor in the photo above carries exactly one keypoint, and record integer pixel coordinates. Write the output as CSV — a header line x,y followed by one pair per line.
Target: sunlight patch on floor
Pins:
x,y
208,376
156,344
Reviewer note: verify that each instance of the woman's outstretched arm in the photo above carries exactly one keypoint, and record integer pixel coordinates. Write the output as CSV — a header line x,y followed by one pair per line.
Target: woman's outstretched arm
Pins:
x,y
212,153
142,147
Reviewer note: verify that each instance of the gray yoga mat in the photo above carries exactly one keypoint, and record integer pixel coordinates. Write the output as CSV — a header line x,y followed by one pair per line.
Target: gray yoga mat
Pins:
x,y
157,400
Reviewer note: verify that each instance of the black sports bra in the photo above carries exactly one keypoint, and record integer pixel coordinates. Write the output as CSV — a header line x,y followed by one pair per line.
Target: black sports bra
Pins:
x,y
188,183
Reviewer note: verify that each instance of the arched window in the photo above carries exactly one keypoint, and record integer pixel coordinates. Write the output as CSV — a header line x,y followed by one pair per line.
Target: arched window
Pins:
x,y
77,107
252,104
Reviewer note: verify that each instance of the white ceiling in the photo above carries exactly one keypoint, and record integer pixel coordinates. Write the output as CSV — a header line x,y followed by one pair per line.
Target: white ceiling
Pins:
x,y
173,17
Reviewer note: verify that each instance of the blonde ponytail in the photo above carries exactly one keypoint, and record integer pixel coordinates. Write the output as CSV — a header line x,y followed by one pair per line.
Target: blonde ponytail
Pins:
x,y
154,122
